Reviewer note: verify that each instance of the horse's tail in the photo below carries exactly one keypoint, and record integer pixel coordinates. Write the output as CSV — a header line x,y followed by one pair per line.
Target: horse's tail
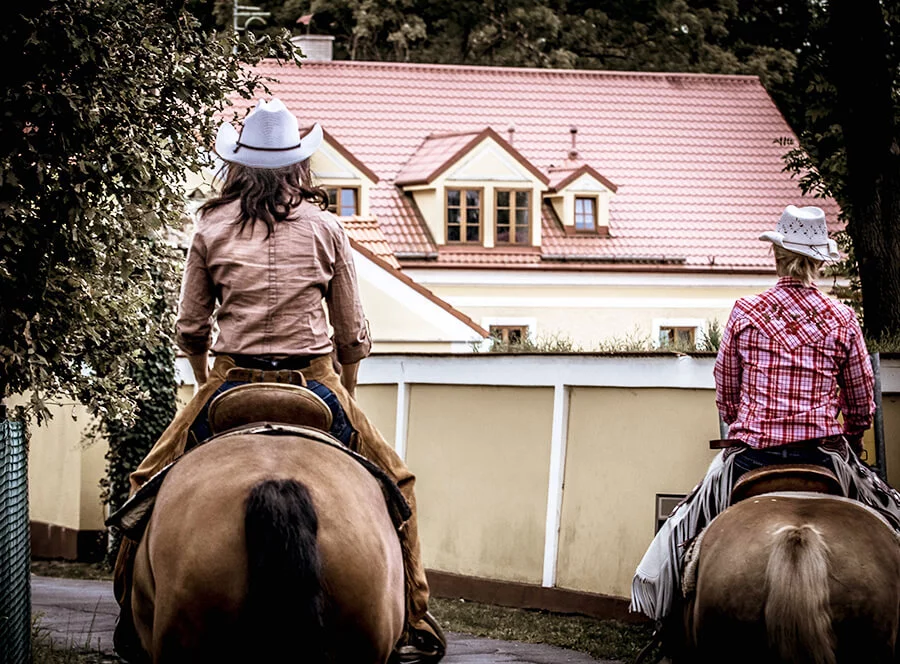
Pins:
x,y
798,610
285,600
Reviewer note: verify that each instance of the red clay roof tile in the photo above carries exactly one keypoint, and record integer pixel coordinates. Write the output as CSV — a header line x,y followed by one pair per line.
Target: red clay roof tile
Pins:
x,y
694,156
367,232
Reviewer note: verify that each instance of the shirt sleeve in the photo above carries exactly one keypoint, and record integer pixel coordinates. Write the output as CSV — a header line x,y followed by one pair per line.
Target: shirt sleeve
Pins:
x,y
351,332
727,371
857,382
193,329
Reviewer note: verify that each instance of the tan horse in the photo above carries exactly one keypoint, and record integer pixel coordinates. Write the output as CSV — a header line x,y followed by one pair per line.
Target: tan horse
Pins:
x,y
799,580
269,549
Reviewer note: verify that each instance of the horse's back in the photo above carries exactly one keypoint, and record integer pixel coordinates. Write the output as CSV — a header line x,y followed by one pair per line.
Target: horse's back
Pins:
x,y
195,548
858,577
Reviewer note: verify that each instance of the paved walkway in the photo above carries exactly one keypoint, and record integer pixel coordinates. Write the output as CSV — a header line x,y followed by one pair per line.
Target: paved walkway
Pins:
x,y
80,613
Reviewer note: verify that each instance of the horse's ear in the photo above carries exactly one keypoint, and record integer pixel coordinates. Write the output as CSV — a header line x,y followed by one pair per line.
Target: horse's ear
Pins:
x,y
268,402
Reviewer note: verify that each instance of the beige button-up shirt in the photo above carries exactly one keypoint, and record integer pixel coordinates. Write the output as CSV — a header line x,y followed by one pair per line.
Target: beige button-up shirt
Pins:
x,y
270,291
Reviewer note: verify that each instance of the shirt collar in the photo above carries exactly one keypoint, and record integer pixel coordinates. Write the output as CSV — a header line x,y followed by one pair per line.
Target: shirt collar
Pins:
x,y
791,282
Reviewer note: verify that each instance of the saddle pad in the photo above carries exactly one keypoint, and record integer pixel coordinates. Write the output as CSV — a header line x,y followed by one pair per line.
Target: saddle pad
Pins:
x,y
133,516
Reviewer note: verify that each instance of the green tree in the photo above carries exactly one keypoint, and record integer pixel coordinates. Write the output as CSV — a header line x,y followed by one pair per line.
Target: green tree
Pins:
x,y
850,138
663,35
103,114
862,37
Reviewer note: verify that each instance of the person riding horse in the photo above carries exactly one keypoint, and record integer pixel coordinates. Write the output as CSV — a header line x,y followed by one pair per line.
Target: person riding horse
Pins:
x,y
264,255
791,360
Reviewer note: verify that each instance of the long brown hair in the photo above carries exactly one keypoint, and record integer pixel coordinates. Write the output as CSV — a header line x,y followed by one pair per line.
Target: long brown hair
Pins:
x,y
267,194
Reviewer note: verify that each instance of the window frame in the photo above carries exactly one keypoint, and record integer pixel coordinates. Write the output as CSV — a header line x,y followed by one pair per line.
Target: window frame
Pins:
x,y
675,330
669,502
462,216
506,328
339,188
513,208
595,202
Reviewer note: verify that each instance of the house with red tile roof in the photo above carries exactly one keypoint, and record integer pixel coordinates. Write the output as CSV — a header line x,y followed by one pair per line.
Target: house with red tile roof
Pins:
x,y
585,204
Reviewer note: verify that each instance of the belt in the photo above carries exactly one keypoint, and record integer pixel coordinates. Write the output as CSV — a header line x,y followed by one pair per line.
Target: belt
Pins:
x,y
274,362
834,441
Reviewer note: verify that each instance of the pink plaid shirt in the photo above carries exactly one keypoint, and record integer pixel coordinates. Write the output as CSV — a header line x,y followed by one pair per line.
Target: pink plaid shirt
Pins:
x,y
791,359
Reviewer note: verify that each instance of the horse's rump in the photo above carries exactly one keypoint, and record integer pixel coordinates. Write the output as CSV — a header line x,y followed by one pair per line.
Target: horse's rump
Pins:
x,y
251,535
780,579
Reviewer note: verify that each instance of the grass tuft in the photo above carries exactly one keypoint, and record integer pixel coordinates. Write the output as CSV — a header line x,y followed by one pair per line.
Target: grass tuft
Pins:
x,y
45,651
63,569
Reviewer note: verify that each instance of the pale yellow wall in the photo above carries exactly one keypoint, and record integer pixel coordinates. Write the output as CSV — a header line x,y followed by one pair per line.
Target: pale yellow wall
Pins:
x,y
93,469
624,446
64,472
481,456
379,403
891,407
432,212
588,324
391,319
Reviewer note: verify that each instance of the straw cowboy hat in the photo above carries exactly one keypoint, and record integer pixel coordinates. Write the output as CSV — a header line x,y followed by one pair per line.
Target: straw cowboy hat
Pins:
x,y
270,138
803,231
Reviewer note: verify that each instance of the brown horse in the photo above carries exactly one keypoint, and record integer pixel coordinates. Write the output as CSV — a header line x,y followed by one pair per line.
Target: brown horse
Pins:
x,y
795,579
269,548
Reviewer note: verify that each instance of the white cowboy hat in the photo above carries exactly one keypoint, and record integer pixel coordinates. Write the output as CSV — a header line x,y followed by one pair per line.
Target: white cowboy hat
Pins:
x,y
270,138
803,231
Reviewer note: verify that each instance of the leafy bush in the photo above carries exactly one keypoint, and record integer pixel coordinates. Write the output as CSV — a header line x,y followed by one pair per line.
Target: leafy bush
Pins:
x,y
103,114
711,337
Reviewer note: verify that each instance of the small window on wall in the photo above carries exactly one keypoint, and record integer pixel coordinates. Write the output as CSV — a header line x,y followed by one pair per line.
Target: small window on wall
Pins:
x,y
513,217
585,214
463,215
678,337
665,503
343,201
509,334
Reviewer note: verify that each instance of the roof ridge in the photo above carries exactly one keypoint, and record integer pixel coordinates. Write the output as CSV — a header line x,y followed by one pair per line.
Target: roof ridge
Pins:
x,y
593,73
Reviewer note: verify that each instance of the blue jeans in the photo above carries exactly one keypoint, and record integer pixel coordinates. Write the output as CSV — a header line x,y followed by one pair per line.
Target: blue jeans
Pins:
x,y
752,458
340,425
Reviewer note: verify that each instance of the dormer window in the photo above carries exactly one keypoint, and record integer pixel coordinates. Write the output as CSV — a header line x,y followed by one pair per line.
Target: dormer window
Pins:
x,y
463,215
586,214
513,216
475,188
580,197
347,181
343,201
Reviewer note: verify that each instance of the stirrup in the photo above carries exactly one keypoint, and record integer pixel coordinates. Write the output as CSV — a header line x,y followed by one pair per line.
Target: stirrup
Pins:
x,y
422,647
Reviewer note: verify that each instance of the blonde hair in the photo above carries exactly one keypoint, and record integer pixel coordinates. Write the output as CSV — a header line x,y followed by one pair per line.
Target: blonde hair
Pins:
x,y
803,268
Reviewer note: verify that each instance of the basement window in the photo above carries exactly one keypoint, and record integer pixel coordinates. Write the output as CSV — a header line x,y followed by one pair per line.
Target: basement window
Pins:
x,y
509,334
665,503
